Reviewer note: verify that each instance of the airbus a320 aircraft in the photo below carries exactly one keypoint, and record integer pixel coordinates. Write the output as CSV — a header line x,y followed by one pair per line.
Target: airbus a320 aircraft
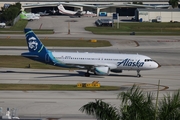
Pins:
x,y
98,63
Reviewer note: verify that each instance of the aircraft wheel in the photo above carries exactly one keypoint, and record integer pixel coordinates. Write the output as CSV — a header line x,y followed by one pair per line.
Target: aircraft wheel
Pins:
x,y
87,74
138,75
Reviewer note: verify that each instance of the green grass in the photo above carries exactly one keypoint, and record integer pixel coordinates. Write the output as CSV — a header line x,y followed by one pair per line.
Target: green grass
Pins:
x,y
56,43
21,62
25,87
144,28
18,28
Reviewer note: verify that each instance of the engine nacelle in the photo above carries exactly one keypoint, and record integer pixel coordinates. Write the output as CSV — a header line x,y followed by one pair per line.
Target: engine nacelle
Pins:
x,y
101,70
116,71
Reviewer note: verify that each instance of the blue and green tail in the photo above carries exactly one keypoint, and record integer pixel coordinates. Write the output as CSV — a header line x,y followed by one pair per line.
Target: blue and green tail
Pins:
x,y
37,50
33,42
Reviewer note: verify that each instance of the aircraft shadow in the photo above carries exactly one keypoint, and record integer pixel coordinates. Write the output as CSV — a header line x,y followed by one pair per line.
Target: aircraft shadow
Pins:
x,y
111,74
79,74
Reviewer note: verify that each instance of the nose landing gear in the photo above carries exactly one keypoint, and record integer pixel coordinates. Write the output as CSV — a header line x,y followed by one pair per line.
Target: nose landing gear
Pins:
x,y
138,73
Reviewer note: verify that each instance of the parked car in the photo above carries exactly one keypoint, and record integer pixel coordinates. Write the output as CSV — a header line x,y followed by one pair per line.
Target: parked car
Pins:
x,y
98,22
2,25
104,22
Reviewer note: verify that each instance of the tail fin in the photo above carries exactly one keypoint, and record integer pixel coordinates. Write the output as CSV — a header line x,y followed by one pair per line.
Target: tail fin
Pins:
x,y
61,8
33,43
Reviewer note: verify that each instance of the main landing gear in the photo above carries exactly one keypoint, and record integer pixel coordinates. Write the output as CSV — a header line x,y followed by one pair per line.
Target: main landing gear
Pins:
x,y
87,74
138,73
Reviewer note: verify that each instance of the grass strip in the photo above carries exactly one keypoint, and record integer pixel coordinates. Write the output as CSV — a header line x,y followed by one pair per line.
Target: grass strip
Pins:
x,y
19,25
57,43
144,28
21,62
18,28
51,87
140,33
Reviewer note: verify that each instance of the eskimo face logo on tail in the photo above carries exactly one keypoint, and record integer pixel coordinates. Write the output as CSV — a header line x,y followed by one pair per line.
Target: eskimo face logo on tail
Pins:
x,y
128,62
32,43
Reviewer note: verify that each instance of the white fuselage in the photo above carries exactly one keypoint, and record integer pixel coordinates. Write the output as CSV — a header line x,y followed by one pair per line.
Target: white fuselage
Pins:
x,y
113,61
67,12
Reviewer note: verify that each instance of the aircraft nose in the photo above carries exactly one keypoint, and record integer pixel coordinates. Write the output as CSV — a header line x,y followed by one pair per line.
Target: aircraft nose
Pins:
x,y
156,64
159,65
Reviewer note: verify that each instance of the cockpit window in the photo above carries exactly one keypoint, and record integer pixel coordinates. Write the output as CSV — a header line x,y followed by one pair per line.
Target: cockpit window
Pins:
x,y
148,60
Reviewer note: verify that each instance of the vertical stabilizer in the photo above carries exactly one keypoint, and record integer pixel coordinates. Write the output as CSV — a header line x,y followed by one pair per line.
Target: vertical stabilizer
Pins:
x,y
37,50
33,43
61,8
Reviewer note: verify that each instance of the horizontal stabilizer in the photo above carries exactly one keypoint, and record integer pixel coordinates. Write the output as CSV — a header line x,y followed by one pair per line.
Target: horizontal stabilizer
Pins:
x,y
29,55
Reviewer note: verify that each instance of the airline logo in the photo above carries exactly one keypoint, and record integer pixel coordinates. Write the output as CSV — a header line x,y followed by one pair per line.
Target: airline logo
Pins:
x,y
32,42
128,62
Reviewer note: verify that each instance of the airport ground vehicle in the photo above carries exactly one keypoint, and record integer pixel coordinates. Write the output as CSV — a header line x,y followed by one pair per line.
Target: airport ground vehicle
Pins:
x,y
104,22
2,25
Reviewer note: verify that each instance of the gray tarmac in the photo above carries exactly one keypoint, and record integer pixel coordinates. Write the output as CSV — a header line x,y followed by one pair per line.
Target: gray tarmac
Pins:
x,y
65,104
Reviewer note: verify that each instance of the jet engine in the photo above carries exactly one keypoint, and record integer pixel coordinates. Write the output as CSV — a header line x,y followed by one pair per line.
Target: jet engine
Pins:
x,y
101,70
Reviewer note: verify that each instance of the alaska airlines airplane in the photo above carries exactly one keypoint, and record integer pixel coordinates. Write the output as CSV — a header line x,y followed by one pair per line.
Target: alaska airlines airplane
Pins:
x,y
98,63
